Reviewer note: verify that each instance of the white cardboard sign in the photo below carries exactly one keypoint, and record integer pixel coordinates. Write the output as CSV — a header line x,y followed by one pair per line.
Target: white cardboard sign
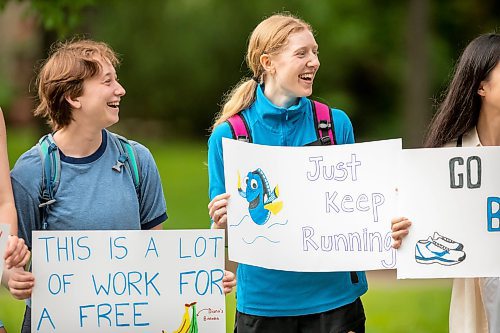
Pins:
x,y
128,281
452,197
316,209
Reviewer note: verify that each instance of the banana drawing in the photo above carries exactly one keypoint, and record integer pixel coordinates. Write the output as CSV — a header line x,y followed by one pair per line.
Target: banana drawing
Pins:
x,y
188,325
186,321
194,321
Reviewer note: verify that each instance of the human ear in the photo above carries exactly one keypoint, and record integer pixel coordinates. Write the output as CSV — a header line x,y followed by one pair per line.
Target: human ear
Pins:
x,y
267,63
73,102
481,90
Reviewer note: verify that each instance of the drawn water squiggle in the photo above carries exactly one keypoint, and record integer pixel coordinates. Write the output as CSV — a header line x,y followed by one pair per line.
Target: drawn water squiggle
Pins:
x,y
253,241
277,223
241,221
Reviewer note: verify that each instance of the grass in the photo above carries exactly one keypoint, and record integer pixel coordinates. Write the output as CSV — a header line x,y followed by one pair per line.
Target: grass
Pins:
x,y
391,306
410,310
410,306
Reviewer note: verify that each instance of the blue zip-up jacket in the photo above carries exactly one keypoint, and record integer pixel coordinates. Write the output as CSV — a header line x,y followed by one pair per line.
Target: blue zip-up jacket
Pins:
x,y
271,293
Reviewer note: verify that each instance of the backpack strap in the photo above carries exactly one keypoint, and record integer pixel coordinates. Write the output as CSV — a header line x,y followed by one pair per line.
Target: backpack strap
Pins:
x,y
459,141
323,122
128,158
51,169
239,128
51,174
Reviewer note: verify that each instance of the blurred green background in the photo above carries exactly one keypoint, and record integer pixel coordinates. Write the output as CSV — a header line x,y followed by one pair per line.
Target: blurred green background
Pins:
x,y
385,63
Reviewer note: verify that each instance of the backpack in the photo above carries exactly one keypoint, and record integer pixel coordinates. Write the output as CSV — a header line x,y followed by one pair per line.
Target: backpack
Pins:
x,y
325,133
51,169
323,122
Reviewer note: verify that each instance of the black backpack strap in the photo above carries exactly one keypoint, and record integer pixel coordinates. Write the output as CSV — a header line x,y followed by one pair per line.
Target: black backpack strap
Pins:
x,y
459,141
239,128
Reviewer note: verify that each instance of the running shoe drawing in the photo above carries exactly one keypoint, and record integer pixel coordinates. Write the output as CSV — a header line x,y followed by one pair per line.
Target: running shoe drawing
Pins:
x,y
430,251
447,242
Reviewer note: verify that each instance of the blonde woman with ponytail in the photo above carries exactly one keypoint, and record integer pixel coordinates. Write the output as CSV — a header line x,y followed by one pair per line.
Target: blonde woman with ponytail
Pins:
x,y
283,59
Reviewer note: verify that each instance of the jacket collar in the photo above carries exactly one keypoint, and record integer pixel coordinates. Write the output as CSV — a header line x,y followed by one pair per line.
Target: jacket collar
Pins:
x,y
469,139
271,114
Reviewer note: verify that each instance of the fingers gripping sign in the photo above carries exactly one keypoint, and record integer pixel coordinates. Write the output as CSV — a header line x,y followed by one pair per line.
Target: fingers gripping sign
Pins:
x,y
400,228
217,209
16,253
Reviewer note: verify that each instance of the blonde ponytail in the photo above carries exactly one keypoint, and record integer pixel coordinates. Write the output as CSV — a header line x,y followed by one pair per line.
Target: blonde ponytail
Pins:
x,y
240,98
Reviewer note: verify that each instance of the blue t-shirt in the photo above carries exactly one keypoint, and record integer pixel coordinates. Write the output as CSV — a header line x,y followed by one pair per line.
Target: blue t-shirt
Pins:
x,y
1,324
90,196
265,292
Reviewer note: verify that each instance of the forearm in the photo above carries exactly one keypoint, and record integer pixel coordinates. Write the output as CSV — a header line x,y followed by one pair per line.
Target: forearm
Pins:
x,y
8,214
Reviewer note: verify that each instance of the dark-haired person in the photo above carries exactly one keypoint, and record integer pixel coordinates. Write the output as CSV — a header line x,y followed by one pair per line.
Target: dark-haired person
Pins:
x,y
469,116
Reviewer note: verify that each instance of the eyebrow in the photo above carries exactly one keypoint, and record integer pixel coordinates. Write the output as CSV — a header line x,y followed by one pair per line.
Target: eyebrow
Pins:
x,y
302,48
110,74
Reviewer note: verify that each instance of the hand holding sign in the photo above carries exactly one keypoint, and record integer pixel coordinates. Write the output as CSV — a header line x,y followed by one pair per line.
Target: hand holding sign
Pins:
x,y
17,253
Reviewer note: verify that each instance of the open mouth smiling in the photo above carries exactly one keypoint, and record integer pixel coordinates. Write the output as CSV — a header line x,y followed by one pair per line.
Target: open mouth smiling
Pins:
x,y
254,203
307,76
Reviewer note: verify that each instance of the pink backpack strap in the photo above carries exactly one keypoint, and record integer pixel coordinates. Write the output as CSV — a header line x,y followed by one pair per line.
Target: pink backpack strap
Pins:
x,y
323,122
239,128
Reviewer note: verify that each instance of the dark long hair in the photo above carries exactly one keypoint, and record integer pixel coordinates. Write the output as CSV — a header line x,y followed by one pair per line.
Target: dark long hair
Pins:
x,y
459,110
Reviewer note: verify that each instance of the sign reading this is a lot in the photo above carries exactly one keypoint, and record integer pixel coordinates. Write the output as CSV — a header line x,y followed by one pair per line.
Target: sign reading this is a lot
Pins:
x,y
128,281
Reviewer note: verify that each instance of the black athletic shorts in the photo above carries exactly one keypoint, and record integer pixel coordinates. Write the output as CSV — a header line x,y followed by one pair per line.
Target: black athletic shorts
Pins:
x,y
347,318
26,328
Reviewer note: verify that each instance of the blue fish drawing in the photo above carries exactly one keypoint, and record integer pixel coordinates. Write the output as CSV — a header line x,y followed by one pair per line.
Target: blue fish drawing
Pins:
x,y
261,200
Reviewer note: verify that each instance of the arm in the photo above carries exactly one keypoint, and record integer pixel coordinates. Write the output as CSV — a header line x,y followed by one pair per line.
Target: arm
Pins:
x,y
7,207
152,205
344,133
217,208
17,253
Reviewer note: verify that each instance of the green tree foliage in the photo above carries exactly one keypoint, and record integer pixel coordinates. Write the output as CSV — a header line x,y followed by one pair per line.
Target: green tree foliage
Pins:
x,y
61,16
181,56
